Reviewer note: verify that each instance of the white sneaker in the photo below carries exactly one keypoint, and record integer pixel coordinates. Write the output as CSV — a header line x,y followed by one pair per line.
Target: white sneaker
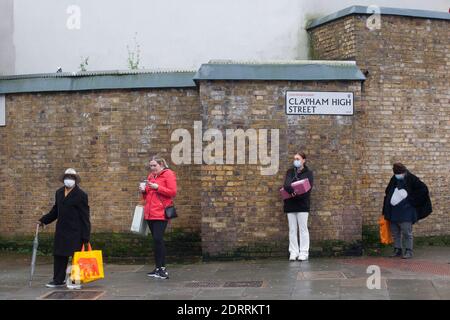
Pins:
x,y
293,257
73,286
303,258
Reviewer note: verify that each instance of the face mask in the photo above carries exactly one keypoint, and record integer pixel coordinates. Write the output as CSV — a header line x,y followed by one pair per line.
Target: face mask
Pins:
x,y
297,163
69,183
399,176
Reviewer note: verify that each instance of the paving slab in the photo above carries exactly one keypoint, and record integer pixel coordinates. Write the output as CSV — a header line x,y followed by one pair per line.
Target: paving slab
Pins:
x,y
426,276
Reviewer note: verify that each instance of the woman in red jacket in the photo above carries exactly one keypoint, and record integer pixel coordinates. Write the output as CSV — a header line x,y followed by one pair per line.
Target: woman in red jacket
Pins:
x,y
160,189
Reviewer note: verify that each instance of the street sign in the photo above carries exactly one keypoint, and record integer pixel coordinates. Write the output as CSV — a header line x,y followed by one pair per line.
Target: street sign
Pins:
x,y
319,103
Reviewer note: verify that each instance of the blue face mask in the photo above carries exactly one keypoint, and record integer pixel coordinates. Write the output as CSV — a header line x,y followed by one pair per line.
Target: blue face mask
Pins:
x,y
297,163
399,176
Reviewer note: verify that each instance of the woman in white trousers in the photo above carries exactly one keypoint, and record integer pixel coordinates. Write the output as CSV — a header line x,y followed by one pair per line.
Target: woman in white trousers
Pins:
x,y
297,208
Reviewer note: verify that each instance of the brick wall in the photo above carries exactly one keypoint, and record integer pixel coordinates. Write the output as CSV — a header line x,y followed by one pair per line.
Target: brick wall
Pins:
x,y
405,105
108,136
239,205
401,114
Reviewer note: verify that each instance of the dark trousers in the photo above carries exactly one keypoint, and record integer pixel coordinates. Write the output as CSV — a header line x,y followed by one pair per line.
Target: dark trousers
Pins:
x,y
59,268
157,228
402,231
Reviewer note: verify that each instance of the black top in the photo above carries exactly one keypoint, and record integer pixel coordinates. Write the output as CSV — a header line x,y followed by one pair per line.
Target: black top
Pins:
x,y
299,203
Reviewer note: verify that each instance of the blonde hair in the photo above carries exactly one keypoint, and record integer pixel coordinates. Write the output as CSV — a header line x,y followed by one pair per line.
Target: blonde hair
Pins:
x,y
161,161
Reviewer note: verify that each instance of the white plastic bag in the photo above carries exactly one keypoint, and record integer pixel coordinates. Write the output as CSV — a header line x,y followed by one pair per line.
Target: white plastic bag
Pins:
x,y
139,225
398,196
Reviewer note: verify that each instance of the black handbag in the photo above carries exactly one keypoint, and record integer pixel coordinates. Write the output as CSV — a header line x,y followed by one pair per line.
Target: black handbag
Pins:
x,y
169,212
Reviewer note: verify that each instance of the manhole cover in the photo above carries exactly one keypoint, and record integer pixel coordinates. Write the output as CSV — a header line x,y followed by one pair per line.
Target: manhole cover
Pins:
x,y
203,284
72,295
246,284
320,275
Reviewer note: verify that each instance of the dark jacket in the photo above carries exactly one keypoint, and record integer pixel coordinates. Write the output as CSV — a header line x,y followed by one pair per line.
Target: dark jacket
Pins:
x,y
73,227
299,203
418,197
404,211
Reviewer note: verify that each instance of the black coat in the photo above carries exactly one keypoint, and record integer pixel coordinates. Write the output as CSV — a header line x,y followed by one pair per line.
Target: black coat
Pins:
x,y
299,203
73,227
418,196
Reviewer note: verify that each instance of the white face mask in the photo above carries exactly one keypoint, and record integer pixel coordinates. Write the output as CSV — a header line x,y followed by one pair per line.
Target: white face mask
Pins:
x,y
297,163
69,183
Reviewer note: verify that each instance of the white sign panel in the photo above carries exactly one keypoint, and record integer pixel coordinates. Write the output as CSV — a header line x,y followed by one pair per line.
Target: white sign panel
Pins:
x,y
2,111
318,103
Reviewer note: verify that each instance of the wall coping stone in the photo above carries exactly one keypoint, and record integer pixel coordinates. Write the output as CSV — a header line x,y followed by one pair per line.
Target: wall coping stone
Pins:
x,y
365,10
296,70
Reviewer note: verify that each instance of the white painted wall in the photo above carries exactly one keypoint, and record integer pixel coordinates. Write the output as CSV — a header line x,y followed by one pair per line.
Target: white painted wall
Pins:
x,y
7,54
171,33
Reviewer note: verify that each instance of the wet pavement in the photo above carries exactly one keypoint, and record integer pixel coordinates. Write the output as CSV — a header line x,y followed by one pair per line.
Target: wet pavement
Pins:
x,y
426,276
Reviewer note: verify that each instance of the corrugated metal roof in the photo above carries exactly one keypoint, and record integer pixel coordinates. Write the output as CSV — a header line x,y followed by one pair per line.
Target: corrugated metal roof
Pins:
x,y
427,14
164,78
279,70
96,80
94,73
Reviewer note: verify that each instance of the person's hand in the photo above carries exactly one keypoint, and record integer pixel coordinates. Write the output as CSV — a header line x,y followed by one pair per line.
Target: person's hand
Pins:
x,y
40,224
153,186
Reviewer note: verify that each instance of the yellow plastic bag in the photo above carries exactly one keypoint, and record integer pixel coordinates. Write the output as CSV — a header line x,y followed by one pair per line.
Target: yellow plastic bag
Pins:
x,y
385,231
87,266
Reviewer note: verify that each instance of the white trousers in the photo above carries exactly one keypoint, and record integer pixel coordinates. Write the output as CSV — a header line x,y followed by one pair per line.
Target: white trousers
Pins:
x,y
298,221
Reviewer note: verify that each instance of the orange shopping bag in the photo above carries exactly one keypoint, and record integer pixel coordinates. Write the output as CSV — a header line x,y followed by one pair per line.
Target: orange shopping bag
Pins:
x,y
87,266
385,231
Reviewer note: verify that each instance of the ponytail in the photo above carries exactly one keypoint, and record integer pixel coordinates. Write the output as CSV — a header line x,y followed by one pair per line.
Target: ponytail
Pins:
x,y
161,161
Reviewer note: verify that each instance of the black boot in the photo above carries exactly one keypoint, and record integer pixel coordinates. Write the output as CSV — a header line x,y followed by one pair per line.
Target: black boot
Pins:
x,y
397,253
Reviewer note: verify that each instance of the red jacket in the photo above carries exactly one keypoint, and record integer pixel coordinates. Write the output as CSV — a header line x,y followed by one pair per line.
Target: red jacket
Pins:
x,y
157,200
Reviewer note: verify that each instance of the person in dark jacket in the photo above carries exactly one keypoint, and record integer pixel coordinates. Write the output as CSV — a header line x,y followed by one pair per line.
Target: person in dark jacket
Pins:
x,y
297,208
406,201
73,227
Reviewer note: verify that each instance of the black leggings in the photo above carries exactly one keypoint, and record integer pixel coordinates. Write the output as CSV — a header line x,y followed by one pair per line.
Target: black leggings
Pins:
x,y
157,227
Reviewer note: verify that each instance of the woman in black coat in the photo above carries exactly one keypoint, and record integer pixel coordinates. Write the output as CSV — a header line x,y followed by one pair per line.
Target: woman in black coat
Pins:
x,y
297,208
73,227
